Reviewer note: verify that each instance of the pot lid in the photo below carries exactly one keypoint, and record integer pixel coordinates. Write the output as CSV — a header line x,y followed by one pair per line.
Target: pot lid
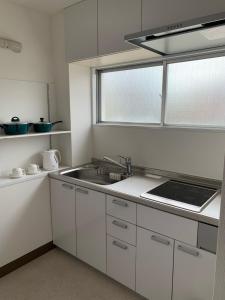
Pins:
x,y
42,121
14,121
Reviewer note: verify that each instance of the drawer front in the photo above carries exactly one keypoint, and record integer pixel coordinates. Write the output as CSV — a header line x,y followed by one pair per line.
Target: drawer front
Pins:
x,y
176,227
121,229
121,262
121,209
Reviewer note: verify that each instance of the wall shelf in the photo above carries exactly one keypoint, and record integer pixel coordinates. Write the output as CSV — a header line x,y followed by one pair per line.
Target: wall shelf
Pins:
x,y
33,134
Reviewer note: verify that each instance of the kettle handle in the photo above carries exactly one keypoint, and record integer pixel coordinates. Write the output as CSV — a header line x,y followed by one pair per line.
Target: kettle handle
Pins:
x,y
59,155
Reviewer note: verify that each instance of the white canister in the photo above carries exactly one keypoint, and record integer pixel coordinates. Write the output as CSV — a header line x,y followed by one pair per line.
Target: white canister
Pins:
x,y
51,159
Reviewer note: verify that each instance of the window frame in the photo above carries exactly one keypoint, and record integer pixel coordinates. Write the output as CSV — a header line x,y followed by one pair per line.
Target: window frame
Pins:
x,y
161,61
99,72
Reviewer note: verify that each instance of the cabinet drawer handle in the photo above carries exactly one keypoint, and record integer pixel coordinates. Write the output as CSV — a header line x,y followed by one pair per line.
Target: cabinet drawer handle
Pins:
x,y
160,240
120,203
188,250
67,186
82,191
119,224
120,245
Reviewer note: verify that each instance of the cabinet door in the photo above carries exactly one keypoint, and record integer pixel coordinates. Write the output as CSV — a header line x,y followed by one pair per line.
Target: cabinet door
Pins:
x,y
63,215
121,261
81,30
25,218
154,265
91,227
116,19
194,272
156,13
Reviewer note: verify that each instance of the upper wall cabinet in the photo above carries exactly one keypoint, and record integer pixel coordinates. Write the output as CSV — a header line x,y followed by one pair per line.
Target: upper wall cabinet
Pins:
x,y
156,13
81,30
116,19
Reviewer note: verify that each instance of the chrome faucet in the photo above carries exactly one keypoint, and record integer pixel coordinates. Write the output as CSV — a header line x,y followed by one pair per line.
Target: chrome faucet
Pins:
x,y
127,165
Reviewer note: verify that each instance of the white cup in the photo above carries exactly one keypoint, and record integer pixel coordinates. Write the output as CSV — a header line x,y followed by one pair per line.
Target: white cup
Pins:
x,y
33,169
18,172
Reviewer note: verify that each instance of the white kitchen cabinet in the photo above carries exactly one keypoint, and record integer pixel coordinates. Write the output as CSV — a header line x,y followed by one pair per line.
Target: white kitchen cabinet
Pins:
x,y
176,227
81,30
116,19
156,13
25,218
91,227
194,272
122,230
63,215
121,261
122,209
154,265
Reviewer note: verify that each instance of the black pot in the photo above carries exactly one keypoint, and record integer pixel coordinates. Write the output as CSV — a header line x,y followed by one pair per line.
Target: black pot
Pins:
x,y
44,126
16,127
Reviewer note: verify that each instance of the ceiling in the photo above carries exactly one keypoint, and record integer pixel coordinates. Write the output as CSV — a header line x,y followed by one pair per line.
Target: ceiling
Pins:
x,y
48,6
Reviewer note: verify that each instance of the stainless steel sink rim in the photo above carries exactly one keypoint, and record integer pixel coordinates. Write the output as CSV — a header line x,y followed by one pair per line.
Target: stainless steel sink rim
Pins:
x,y
98,176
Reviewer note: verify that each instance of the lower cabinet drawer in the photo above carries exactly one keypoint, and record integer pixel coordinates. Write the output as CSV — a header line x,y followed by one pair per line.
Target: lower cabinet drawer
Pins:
x,y
121,262
121,209
176,227
122,230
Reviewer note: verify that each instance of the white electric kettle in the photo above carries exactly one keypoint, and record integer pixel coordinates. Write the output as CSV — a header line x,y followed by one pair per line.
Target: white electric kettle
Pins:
x,y
51,159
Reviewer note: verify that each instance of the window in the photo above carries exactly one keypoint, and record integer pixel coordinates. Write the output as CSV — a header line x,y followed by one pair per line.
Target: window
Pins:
x,y
131,95
188,93
196,93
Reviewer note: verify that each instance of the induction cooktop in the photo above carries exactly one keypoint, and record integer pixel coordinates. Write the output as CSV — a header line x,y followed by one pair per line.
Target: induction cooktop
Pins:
x,y
181,194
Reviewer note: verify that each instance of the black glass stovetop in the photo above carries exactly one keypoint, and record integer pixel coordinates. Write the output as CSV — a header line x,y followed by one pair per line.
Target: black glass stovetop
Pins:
x,y
184,192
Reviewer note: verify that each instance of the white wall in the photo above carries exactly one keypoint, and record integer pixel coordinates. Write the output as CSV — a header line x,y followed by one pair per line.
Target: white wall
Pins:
x,y
22,72
192,152
61,79
80,105
25,207
73,99
33,30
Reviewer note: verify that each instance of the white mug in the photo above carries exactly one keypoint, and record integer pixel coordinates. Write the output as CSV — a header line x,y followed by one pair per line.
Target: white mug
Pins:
x,y
18,172
33,169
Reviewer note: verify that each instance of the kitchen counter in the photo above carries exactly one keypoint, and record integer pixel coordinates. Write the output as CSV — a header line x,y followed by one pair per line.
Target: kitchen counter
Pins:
x,y
132,187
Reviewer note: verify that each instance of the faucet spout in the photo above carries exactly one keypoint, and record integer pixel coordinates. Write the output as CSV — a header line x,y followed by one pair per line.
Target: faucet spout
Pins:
x,y
113,162
127,165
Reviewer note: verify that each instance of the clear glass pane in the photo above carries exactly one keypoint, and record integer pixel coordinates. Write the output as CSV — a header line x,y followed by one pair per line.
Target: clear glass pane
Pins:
x,y
196,93
133,95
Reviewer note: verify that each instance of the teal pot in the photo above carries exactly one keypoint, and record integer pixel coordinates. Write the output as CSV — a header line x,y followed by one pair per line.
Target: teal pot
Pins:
x,y
15,127
44,126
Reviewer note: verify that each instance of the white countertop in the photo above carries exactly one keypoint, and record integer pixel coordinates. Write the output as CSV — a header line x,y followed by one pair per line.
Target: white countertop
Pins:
x,y
132,187
137,185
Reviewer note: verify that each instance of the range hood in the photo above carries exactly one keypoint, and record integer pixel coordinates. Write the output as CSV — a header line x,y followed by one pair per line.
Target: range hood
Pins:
x,y
198,34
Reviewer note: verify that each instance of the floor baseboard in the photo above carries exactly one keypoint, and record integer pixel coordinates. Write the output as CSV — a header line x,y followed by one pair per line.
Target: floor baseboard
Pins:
x,y
25,259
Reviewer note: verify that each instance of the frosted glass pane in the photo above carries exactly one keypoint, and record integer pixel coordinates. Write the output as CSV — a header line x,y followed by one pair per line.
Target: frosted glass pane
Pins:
x,y
133,95
196,93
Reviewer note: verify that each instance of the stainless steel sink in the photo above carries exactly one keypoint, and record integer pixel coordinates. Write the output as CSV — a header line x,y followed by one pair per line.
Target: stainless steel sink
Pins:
x,y
92,174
